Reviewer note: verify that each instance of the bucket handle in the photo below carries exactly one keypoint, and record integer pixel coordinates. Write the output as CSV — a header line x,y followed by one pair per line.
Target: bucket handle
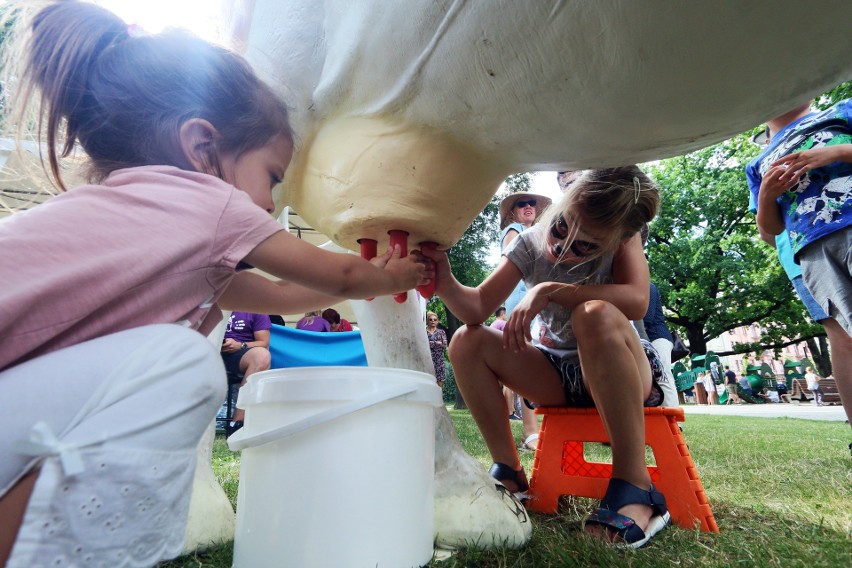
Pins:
x,y
239,440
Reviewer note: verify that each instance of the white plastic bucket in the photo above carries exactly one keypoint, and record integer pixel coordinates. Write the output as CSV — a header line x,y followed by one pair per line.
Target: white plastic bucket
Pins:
x,y
337,468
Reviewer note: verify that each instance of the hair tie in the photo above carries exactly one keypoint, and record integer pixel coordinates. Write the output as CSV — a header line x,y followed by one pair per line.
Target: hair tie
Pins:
x,y
637,186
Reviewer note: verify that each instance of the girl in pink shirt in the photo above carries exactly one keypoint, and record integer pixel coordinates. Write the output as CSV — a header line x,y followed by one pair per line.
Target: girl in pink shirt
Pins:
x,y
185,144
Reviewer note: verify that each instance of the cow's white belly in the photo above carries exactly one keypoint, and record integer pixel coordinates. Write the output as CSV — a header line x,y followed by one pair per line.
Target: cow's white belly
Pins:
x,y
459,93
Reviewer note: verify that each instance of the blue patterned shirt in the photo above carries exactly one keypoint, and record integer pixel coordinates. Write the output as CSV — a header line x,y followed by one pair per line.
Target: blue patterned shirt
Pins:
x,y
820,203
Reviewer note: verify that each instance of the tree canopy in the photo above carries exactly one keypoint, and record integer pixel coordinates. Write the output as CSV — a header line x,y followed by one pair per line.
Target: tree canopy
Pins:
x,y
713,271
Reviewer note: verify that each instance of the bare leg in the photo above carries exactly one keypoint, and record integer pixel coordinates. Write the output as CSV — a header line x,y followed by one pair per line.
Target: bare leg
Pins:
x,y
255,360
530,425
841,361
13,505
618,376
509,394
482,365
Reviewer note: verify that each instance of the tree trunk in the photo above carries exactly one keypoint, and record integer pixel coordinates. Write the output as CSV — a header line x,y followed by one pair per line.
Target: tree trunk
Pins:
x,y
697,344
453,324
819,355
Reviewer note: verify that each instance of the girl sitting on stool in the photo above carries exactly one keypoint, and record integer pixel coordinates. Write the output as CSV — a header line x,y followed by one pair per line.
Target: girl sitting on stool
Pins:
x,y
586,277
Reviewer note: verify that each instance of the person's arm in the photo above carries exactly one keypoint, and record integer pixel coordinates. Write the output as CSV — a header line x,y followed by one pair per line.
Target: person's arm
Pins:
x,y
766,237
773,186
473,305
338,275
261,339
785,173
251,292
754,180
511,235
254,293
797,164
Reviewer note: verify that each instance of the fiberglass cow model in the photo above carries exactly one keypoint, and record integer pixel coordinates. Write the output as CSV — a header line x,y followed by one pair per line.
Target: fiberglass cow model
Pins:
x,y
408,114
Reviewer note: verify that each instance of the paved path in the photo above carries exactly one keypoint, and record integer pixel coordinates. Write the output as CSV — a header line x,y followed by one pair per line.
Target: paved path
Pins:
x,y
770,410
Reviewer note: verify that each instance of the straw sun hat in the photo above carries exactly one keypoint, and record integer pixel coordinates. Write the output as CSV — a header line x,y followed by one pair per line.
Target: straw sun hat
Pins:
x,y
508,203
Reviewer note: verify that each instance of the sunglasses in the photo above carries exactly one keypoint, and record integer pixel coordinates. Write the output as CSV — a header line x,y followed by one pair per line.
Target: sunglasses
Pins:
x,y
580,249
522,204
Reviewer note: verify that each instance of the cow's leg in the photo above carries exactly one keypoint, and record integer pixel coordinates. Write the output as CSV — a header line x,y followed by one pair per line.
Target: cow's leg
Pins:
x,y
470,508
211,518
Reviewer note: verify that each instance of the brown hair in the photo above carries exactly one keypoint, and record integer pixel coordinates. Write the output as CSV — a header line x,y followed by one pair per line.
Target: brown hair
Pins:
x,y
331,315
124,99
623,199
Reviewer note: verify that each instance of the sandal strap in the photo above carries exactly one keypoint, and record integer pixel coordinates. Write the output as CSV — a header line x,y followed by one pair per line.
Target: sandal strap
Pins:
x,y
502,472
623,525
620,493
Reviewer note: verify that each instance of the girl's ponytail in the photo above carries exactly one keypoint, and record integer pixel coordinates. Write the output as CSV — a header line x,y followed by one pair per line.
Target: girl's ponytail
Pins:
x,y
123,99
66,38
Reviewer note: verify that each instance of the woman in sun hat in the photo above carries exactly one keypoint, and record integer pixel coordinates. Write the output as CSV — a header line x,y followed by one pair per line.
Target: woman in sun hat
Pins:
x,y
518,212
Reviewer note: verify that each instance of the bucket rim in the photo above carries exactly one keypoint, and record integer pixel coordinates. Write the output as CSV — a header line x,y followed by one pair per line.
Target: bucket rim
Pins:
x,y
347,368
311,384
389,391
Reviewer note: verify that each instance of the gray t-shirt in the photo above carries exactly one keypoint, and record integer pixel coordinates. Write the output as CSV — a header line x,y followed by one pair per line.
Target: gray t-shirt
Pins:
x,y
551,329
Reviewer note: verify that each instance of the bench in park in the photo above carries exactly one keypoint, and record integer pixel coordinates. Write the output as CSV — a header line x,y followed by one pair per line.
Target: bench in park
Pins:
x,y
800,393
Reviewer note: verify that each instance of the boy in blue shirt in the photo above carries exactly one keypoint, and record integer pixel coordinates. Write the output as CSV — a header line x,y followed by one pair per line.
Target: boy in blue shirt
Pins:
x,y
801,187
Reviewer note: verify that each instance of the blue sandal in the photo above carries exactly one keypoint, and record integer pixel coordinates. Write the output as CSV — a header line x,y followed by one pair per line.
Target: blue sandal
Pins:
x,y
502,472
620,493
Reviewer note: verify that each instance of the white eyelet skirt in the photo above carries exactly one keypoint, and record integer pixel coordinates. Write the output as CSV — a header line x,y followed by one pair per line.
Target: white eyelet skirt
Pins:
x,y
113,424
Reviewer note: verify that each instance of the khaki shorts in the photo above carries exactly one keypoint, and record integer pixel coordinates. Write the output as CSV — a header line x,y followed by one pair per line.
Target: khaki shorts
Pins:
x,y
827,272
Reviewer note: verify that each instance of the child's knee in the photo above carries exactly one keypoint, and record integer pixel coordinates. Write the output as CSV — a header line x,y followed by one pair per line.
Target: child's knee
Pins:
x,y
467,340
596,319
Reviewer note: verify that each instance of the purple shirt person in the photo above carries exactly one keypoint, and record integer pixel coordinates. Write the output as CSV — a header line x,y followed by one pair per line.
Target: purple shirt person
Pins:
x,y
245,351
501,320
313,321
242,325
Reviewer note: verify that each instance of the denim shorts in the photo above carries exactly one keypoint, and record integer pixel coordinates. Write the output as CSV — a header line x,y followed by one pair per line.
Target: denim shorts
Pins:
x,y
814,309
577,396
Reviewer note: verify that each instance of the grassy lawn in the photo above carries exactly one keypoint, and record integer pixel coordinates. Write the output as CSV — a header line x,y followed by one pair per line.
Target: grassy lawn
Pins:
x,y
780,489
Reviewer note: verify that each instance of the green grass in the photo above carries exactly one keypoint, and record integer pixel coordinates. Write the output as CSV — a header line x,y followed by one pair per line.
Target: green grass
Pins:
x,y
780,489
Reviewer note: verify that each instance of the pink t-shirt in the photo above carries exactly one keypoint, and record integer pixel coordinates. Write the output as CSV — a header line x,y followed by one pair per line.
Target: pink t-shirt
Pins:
x,y
153,244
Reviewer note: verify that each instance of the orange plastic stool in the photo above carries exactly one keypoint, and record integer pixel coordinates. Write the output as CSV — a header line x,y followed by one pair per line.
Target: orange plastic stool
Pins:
x,y
560,467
